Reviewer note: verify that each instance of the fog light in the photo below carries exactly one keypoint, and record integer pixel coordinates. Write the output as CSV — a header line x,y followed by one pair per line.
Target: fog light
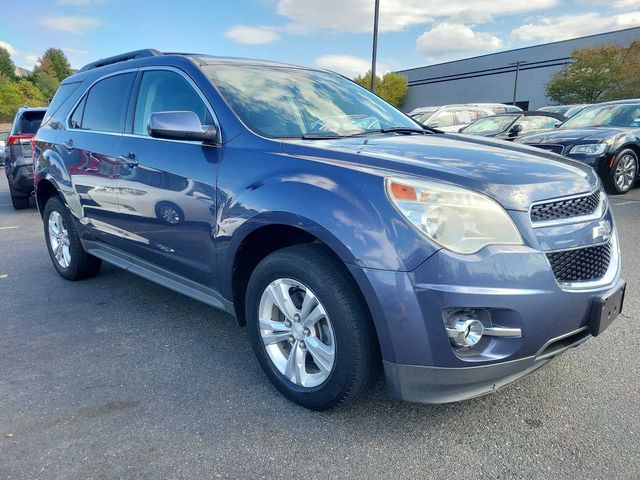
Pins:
x,y
466,332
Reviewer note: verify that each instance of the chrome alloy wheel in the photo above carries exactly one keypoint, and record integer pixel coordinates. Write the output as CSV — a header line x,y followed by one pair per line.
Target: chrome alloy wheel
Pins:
x,y
625,173
297,332
59,239
169,215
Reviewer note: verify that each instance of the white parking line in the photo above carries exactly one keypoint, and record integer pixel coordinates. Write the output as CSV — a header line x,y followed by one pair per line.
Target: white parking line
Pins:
x,y
3,276
9,228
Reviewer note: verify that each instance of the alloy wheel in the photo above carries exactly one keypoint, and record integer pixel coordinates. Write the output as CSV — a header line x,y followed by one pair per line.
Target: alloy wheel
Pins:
x,y
59,239
297,332
625,172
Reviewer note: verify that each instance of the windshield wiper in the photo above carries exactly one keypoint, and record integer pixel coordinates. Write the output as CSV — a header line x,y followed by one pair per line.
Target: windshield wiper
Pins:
x,y
403,130
321,136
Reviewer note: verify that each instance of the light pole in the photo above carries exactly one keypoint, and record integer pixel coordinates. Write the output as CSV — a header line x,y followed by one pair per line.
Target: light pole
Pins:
x,y
515,83
375,45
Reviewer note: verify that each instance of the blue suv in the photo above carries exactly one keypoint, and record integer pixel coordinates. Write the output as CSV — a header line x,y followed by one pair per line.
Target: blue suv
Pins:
x,y
344,235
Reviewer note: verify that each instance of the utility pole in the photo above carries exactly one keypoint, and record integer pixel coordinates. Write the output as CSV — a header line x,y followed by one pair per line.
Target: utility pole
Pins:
x,y
515,83
375,45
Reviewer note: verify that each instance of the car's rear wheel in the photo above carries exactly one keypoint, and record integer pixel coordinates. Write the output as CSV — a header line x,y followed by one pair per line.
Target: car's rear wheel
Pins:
x,y
63,243
19,202
624,172
310,328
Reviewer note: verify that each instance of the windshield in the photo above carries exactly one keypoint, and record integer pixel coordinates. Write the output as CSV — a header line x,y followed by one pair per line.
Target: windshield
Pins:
x,y
491,125
423,115
291,102
621,115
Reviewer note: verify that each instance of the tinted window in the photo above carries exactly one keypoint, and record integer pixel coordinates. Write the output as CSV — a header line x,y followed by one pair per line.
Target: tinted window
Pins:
x,y
105,105
29,122
165,91
62,94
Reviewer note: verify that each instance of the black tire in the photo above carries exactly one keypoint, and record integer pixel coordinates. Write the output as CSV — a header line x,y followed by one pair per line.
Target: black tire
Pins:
x,y
81,264
19,202
357,356
610,182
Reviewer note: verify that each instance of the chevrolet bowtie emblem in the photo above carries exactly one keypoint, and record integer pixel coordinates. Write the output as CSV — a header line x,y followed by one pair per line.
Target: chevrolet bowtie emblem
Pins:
x,y
602,231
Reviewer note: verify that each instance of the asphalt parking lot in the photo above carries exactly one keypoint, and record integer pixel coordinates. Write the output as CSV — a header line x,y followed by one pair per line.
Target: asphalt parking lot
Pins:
x,y
116,377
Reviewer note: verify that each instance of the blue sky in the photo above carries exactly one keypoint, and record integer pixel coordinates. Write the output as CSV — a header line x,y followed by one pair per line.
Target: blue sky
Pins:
x,y
334,34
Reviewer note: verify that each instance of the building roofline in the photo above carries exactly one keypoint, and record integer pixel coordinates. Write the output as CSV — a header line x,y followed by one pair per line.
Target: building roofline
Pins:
x,y
519,49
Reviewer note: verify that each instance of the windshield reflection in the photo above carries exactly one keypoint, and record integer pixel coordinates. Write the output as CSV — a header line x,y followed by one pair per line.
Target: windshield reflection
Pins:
x,y
286,102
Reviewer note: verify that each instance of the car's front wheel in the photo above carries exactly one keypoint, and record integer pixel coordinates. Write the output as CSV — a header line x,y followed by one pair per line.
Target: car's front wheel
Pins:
x,y
310,328
63,243
624,172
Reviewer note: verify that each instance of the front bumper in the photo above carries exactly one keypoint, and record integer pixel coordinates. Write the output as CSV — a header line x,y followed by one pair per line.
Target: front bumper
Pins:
x,y
517,289
428,384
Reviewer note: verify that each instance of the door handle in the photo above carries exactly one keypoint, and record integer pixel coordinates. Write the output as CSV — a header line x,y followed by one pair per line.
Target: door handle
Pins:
x,y
68,145
129,159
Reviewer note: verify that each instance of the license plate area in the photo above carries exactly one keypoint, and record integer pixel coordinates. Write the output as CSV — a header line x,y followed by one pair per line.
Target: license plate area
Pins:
x,y
605,309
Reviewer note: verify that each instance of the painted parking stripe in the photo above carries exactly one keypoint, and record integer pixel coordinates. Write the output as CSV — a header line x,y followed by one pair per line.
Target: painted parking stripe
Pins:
x,y
3,276
9,228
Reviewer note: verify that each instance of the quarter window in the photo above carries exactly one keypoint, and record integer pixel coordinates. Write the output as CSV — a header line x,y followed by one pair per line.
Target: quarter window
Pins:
x,y
166,91
104,108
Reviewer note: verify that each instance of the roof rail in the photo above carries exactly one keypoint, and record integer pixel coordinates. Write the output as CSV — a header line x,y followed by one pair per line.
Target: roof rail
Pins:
x,y
123,57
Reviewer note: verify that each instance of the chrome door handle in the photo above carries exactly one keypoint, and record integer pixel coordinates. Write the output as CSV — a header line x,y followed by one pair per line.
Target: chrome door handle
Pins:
x,y
68,145
129,159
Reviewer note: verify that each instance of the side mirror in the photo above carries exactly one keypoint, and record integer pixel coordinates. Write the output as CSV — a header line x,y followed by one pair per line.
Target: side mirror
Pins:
x,y
181,126
515,130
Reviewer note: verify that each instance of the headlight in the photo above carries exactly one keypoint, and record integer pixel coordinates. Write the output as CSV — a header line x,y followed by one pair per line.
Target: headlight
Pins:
x,y
590,149
458,219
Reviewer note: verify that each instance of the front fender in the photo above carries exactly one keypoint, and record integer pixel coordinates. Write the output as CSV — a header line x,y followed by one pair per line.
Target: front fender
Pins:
x,y
347,209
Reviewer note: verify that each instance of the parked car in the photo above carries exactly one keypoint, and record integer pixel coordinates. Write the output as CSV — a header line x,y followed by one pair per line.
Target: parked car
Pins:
x,y
460,264
508,126
498,107
3,143
605,136
18,162
449,118
567,111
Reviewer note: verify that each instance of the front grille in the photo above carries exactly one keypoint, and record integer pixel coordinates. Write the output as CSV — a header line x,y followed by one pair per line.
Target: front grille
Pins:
x,y
581,264
567,208
551,148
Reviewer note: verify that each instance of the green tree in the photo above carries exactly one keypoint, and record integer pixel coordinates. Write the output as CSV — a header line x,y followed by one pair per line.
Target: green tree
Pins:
x,y
14,95
7,67
54,62
598,74
391,87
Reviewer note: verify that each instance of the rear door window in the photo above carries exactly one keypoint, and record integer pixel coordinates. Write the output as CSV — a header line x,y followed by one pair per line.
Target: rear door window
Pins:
x,y
104,108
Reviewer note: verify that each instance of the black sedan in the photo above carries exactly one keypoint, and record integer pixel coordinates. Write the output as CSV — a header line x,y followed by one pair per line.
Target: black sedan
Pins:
x,y
508,126
605,136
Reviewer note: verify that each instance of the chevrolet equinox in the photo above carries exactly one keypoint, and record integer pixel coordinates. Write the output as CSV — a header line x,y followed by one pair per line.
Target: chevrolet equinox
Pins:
x,y
344,235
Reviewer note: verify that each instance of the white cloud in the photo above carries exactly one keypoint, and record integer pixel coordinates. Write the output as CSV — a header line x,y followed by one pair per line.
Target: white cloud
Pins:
x,y
550,29
69,24
348,65
30,60
356,16
252,35
8,47
455,37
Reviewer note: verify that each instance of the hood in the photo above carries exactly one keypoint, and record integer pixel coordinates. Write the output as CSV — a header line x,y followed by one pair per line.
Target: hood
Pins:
x,y
513,175
569,135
